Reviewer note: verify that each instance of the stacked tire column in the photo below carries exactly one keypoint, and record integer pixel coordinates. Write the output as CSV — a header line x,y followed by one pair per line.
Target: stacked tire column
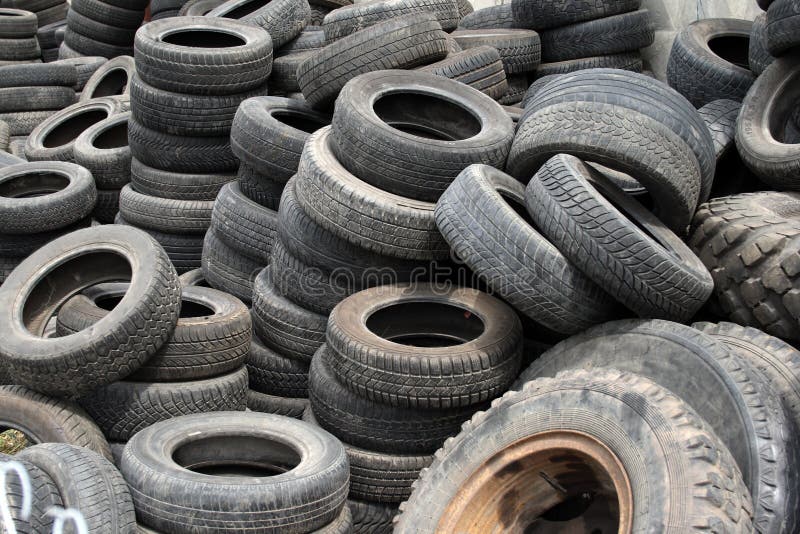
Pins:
x,y
101,28
190,81
18,43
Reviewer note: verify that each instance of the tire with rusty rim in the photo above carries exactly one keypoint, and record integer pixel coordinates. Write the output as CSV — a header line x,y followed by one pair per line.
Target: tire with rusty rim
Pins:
x,y
586,448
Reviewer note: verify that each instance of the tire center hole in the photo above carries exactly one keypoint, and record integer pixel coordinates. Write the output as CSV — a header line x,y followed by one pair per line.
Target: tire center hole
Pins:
x,y
425,324
33,184
114,137
299,121
732,48
237,456
427,116
71,128
204,39
245,9
113,83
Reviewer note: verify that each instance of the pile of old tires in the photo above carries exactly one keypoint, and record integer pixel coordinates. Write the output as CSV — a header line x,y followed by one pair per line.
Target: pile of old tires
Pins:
x,y
458,272
18,33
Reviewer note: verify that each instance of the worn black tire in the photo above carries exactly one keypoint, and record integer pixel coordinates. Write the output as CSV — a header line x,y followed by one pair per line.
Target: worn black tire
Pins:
x,y
184,114
400,43
285,406
52,14
749,243
627,140
782,26
107,207
164,214
184,250
663,429
198,8
20,49
227,270
54,138
274,374
627,32
261,189
520,50
179,153
631,61
306,497
22,123
620,245
51,36
283,79
38,74
44,419
489,18
84,67
742,408
374,426
371,517
758,56
760,130
100,30
267,135
43,196
475,368
245,226
203,70
380,477
309,39
350,19
543,14
43,495
467,127
517,86
491,236
282,19
103,150
134,331
282,325
17,23
212,337
87,482
361,213
699,73
124,408
16,99
720,118
110,14
478,67
91,47
112,78
179,186
22,245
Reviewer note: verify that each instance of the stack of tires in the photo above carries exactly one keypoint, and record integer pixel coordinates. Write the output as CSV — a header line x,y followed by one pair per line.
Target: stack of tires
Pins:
x,y
283,80
40,202
393,410
283,20
520,52
46,11
183,101
50,38
32,93
18,37
99,28
480,67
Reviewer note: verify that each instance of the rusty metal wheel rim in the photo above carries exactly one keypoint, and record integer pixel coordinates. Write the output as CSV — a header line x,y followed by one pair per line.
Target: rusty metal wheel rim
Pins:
x,y
514,488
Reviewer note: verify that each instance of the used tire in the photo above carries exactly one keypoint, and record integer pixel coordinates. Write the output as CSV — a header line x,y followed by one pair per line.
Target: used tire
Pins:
x,y
55,137
581,408
412,346
749,243
47,420
124,408
631,61
758,56
15,99
175,185
84,67
43,495
103,150
371,517
374,426
283,325
626,32
760,130
138,326
198,8
361,213
245,226
184,250
87,482
400,43
259,188
543,14
445,127
268,134
238,59
478,67
350,19
39,74
482,215
709,61
782,26
212,336
17,23
22,123
282,19
489,18
227,270
520,50
741,407
164,214
308,495
285,406
620,245
274,374
112,78
43,196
